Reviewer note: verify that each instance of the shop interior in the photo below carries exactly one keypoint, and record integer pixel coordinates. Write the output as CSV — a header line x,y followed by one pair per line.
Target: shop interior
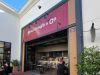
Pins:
x,y
47,50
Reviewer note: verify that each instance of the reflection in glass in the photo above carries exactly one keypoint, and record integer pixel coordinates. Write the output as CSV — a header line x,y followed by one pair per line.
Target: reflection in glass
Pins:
x,y
1,56
1,50
7,45
1,44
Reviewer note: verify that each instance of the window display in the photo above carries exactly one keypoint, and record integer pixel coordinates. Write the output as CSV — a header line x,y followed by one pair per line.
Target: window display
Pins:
x,y
5,52
1,50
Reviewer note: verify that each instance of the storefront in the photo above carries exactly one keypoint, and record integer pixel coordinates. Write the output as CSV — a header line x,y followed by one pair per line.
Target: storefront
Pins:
x,y
51,36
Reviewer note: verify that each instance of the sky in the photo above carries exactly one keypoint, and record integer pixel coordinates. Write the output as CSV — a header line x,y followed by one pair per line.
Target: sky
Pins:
x,y
15,4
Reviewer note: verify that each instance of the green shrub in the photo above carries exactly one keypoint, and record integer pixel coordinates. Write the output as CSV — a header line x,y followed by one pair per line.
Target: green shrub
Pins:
x,y
89,63
15,62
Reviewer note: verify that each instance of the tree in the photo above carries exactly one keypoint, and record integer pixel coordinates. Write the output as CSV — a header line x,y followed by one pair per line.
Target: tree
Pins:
x,y
89,63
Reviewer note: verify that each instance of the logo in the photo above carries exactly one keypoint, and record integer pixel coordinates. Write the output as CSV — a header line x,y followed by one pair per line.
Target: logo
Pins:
x,y
33,29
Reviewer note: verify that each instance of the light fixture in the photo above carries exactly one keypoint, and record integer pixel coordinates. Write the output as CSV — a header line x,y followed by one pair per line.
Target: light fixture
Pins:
x,y
93,33
39,7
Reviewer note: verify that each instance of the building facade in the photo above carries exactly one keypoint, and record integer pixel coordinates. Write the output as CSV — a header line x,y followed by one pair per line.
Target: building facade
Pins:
x,y
81,26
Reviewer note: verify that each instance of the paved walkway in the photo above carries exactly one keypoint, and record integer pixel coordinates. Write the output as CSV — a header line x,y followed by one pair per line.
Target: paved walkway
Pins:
x,y
53,72
24,73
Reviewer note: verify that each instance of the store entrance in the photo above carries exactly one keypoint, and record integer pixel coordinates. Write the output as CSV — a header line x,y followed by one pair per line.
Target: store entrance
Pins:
x,y
46,51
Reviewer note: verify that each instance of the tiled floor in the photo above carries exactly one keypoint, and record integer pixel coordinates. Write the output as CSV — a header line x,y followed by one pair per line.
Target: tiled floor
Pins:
x,y
51,72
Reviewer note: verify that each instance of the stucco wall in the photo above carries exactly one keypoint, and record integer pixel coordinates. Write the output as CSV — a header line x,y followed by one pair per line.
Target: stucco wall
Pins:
x,y
34,12
9,32
91,13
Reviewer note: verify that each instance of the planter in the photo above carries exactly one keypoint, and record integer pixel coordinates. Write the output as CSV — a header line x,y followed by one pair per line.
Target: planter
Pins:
x,y
15,64
15,68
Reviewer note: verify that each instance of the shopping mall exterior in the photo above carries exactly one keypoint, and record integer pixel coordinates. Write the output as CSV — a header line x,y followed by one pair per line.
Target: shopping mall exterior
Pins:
x,y
51,29
52,35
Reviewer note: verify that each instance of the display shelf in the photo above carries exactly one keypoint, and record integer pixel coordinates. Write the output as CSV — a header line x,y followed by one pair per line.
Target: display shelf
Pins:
x,y
5,52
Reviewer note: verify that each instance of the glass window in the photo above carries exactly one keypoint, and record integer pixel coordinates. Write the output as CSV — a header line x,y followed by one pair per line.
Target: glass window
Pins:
x,y
7,45
15,4
1,50
1,44
5,52
1,56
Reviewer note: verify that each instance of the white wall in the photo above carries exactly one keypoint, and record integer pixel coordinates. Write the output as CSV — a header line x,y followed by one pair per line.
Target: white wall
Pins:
x,y
91,13
34,12
9,31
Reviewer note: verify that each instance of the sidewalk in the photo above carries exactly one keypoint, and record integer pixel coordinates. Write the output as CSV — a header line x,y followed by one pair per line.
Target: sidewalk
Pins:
x,y
53,72
24,73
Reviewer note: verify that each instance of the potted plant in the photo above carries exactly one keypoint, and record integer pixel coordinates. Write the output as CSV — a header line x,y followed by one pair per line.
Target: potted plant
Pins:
x,y
89,63
15,64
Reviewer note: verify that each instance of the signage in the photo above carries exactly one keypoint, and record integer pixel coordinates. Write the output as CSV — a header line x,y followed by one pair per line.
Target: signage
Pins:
x,y
51,22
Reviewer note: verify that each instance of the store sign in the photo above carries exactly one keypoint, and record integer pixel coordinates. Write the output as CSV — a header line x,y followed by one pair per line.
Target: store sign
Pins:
x,y
51,22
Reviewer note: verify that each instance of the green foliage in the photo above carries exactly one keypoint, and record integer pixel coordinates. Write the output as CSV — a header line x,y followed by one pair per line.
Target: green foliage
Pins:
x,y
15,62
89,63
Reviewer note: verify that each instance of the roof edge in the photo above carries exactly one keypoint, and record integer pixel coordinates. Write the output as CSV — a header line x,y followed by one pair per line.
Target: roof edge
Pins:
x,y
8,9
27,7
